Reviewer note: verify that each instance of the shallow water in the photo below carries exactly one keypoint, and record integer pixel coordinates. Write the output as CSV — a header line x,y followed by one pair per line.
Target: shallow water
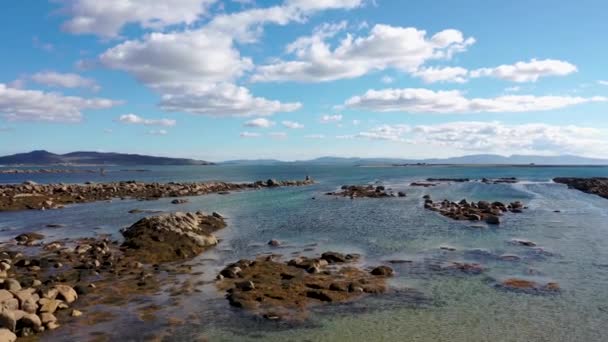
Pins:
x,y
424,304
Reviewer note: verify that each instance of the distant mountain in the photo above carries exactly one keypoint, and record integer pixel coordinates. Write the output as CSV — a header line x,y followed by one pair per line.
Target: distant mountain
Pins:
x,y
42,158
478,159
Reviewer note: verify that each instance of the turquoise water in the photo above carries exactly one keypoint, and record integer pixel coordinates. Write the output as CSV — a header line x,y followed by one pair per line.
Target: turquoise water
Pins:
x,y
424,304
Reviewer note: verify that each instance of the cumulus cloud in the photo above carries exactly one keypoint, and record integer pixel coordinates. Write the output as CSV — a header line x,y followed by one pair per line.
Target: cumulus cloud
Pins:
x,y
418,100
223,99
259,122
314,136
385,46
331,118
138,120
445,74
158,132
292,124
497,137
278,135
107,18
527,71
35,105
249,135
602,82
64,80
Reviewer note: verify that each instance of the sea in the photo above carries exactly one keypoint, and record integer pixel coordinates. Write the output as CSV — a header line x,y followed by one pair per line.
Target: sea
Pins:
x,y
425,301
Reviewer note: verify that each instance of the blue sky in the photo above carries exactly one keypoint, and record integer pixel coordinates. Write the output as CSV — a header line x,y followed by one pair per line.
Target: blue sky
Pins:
x,y
297,79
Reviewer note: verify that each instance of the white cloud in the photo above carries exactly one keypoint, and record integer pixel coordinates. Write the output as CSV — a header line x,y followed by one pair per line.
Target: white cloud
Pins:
x,y
35,105
356,122
402,48
249,135
137,120
417,100
65,80
602,82
314,136
223,99
107,18
527,71
387,80
445,74
331,118
278,135
158,132
496,137
292,124
259,122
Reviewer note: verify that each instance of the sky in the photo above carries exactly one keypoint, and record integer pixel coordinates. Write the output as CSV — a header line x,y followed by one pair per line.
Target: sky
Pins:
x,y
298,79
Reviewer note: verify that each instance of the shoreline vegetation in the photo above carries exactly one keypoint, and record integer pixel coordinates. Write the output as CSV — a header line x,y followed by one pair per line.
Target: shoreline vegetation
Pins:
x,y
43,283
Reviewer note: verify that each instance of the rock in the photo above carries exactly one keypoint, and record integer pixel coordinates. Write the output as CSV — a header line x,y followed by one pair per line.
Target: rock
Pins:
x,y
171,237
12,284
28,238
272,182
334,257
492,219
46,317
76,313
217,215
231,272
7,336
5,295
11,303
52,325
31,321
179,201
29,305
48,305
384,271
67,293
274,243
401,194
523,243
247,285
7,319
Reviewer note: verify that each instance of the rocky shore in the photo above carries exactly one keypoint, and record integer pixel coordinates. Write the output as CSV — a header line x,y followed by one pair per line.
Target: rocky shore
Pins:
x,y
284,290
30,195
489,212
595,186
370,191
40,281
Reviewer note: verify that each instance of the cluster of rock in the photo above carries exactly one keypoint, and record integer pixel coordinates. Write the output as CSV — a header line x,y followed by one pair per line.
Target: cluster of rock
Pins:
x,y
435,181
283,290
359,191
488,212
29,307
504,180
596,186
39,171
171,237
30,195
526,285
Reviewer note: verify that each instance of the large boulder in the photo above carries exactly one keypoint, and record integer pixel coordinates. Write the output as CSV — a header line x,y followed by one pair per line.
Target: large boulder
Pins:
x,y
171,237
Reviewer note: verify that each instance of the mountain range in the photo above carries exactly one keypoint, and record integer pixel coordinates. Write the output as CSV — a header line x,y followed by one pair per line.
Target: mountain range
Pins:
x,y
41,158
93,158
478,159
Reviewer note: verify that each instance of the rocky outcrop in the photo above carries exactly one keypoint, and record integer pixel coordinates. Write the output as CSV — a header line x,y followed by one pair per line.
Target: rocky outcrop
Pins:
x,y
360,191
30,195
171,237
473,211
595,186
283,290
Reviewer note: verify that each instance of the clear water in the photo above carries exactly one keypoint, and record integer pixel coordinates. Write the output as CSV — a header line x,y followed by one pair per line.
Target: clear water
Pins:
x,y
441,307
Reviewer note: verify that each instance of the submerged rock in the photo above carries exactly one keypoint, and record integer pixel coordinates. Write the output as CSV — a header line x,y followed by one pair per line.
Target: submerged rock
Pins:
x,y
525,285
360,191
279,290
171,237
